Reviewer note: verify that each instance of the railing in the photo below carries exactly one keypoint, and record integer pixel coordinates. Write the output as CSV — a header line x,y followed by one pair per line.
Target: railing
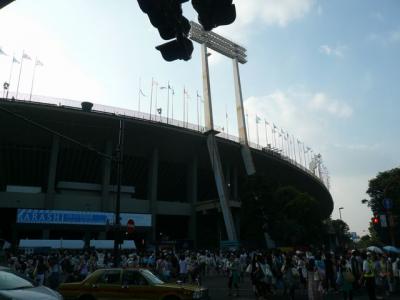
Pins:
x,y
160,119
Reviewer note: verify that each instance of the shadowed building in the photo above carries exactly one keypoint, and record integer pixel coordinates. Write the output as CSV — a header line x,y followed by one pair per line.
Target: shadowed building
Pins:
x,y
167,182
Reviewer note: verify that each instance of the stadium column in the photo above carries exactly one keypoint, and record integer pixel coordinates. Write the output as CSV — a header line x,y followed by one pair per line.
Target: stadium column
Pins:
x,y
192,197
235,183
51,181
105,194
152,190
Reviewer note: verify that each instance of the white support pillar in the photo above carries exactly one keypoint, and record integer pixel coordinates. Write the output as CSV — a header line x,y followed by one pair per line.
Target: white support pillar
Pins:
x,y
246,153
221,186
208,112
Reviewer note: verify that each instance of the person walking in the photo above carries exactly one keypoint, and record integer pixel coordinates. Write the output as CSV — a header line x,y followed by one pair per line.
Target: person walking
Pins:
x,y
345,280
369,275
233,269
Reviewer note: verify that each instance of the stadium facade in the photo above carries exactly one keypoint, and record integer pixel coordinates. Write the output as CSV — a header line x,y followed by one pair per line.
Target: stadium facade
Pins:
x,y
52,188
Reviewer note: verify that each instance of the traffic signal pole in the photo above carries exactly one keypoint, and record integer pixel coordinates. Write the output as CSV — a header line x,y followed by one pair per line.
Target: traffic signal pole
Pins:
x,y
117,226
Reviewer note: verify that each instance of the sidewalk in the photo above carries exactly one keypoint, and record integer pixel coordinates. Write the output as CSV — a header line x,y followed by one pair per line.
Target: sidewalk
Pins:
x,y
218,290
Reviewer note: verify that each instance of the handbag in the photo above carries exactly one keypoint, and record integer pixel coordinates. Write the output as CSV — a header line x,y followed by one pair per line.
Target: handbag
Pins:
x,y
348,276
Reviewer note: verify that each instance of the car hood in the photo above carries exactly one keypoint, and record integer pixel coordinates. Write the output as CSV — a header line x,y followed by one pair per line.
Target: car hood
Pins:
x,y
36,293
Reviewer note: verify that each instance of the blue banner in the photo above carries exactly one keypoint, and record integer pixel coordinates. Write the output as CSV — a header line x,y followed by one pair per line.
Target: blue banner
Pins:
x,y
36,216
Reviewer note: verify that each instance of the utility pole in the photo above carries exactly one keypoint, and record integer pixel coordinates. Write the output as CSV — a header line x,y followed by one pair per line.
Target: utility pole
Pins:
x,y
117,227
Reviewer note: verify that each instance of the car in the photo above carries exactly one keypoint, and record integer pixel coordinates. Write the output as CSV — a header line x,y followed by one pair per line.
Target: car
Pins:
x,y
117,283
16,287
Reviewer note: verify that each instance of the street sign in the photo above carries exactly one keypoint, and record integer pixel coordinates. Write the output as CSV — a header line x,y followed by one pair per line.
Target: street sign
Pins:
x,y
383,220
130,225
387,203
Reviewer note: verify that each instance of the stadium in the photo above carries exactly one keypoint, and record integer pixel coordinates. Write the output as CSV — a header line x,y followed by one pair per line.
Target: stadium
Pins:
x,y
51,188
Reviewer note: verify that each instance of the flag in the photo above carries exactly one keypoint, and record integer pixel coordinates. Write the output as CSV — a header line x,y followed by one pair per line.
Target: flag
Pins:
x,y
173,91
38,63
26,56
266,122
141,93
2,52
16,60
258,119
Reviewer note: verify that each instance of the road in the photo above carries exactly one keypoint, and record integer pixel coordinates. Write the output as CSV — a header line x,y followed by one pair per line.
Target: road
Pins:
x,y
218,289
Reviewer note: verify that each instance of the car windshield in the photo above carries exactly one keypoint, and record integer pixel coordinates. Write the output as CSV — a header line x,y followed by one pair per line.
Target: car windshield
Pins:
x,y
11,281
153,279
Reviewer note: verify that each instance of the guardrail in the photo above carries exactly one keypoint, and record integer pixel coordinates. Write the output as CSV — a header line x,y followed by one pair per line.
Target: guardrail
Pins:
x,y
157,118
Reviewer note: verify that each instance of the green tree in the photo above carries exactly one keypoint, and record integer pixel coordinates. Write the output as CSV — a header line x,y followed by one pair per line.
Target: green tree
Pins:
x,y
290,217
385,185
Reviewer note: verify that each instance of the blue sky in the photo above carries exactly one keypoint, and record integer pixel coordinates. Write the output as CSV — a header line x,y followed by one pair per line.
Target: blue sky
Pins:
x,y
325,71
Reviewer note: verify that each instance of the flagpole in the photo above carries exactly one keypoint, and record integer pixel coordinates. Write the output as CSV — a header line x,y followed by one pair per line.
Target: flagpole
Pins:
x,y
11,70
294,149
187,110
168,103
184,103
258,138
33,78
20,70
140,79
156,97
198,116
172,100
151,96
226,120
266,133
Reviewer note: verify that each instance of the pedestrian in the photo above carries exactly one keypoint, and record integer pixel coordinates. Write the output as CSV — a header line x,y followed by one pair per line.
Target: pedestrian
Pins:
x,y
233,270
314,283
345,280
369,275
290,277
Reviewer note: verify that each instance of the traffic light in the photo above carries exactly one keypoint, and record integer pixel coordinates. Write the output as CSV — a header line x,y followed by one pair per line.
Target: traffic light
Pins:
x,y
166,16
214,13
180,48
375,220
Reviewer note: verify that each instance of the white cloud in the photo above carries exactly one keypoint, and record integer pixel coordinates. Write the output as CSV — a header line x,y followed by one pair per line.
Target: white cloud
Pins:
x,y
321,102
385,38
266,12
302,112
377,16
337,51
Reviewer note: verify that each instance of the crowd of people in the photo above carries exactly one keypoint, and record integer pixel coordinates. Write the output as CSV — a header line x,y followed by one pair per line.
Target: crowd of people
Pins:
x,y
270,273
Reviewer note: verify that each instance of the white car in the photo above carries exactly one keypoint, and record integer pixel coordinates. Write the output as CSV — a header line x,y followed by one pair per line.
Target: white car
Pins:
x,y
14,286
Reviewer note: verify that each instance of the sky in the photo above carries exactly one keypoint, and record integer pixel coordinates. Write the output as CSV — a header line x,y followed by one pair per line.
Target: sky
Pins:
x,y
326,72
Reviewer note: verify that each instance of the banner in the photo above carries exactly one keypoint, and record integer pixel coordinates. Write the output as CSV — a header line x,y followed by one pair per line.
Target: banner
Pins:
x,y
36,216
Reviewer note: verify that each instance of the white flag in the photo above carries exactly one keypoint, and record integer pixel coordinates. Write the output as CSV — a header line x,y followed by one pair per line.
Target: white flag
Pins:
x,y
26,56
39,63
2,52
15,60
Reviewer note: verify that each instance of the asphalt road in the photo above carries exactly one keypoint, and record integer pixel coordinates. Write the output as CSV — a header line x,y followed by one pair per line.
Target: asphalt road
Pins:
x,y
218,290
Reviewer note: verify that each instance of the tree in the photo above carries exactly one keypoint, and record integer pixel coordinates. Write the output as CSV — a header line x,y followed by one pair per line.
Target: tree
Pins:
x,y
385,185
290,217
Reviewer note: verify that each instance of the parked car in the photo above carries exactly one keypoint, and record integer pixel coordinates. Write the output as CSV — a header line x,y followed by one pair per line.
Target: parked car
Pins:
x,y
129,284
16,287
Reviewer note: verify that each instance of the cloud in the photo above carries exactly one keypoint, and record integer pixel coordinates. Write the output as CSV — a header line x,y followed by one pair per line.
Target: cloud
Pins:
x,y
302,112
321,102
377,16
337,51
266,12
385,38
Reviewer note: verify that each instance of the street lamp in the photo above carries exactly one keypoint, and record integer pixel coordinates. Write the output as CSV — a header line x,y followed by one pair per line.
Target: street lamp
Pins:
x,y
340,212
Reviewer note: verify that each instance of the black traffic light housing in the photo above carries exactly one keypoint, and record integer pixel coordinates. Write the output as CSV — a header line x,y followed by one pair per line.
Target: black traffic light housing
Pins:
x,y
180,48
166,16
214,13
